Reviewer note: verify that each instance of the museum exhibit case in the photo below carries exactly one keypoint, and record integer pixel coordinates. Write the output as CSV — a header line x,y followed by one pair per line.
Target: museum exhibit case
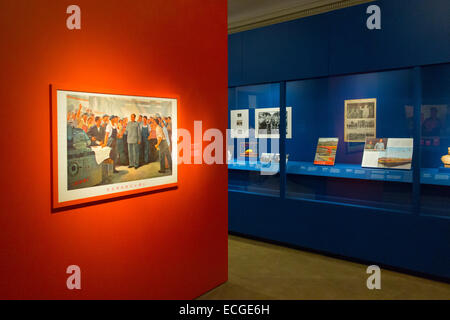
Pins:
x,y
319,111
435,140
246,145
364,160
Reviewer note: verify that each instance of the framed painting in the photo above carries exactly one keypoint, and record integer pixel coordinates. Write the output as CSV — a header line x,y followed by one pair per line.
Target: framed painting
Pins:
x,y
109,145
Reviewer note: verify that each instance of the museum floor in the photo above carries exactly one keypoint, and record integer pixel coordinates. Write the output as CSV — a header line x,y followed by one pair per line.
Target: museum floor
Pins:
x,y
258,270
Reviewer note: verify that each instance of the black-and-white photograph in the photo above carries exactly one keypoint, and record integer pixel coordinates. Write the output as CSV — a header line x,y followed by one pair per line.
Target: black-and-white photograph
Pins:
x,y
360,110
360,119
267,123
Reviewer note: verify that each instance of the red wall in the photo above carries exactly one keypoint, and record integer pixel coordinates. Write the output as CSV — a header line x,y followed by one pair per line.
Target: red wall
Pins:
x,y
165,245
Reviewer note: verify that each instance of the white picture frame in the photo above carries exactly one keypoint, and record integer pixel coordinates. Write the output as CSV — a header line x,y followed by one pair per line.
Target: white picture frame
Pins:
x,y
239,124
129,104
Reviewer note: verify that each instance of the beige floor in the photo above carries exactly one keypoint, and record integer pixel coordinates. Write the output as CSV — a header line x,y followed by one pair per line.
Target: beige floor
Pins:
x,y
259,270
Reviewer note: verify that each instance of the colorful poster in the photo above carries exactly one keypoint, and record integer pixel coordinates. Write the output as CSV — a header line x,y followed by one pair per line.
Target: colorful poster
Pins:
x,y
248,150
326,151
392,153
108,144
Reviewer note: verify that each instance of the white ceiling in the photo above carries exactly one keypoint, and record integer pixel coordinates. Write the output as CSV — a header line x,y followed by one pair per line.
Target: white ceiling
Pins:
x,y
249,14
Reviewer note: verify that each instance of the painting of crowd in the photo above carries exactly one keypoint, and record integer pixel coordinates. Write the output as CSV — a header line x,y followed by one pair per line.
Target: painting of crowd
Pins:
x,y
269,122
135,139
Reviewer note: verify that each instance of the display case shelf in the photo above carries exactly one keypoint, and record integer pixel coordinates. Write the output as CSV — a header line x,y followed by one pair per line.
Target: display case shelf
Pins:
x,y
437,176
254,166
349,171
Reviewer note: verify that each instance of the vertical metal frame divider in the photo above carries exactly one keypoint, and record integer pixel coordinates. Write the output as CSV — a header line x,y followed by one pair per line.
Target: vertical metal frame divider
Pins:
x,y
283,126
417,155
233,89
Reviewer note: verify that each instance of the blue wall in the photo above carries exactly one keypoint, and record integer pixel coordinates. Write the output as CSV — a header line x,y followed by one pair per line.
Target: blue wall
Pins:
x,y
414,32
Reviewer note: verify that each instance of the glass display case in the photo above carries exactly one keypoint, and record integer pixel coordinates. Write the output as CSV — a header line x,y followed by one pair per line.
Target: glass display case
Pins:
x,y
246,145
349,109
435,140
352,140
364,135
